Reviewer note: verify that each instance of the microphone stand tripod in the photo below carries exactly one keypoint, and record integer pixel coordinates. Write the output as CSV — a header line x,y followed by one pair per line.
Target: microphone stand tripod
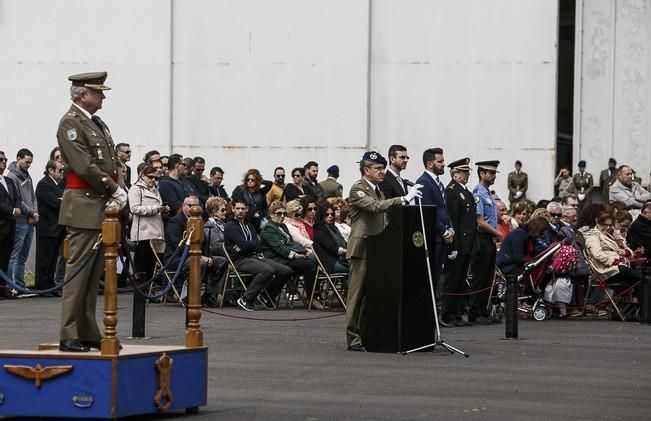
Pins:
x,y
438,340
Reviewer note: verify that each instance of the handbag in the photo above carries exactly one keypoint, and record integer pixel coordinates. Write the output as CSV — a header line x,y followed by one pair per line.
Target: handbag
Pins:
x,y
296,248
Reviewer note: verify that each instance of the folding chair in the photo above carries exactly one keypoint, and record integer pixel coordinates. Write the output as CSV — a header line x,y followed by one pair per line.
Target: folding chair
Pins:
x,y
234,281
602,286
331,281
158,247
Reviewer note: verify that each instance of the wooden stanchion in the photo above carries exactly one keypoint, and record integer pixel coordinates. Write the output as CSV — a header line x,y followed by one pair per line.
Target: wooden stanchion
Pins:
x,y
111,239
193,333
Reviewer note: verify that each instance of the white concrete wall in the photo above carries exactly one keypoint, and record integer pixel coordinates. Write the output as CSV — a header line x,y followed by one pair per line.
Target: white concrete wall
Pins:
x,y
613,81
476,78
260,83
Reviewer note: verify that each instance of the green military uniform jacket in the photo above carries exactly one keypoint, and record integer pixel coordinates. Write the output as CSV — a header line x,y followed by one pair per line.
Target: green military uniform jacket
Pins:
x,y
89,152
368,215
582,184
332,188
517,182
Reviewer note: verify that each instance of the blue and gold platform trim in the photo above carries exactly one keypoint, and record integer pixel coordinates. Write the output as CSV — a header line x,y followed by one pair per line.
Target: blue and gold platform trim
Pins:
x,y
140,380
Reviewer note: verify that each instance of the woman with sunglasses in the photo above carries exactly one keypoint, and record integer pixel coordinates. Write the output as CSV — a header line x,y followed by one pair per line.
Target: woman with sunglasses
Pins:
x,y
309,214
277,245
329,244
608,256
294,223
253,192
147,208
295,190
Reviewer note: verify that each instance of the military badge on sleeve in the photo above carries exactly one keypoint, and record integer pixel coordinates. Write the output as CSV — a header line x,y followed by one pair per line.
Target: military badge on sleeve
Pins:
x,y
477,199
360,194
72,134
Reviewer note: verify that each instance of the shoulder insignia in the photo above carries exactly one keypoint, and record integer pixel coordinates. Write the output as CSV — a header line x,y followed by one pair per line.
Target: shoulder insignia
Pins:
x,y
462,196
72,134
360,194
476,199
72,114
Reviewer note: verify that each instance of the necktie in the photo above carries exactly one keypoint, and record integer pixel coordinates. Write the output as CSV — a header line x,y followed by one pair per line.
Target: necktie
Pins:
x,y
377,192
98,123
402,184
441,189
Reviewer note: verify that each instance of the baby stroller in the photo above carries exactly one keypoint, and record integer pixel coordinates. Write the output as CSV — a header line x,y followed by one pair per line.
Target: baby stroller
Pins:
x,y
532,283
496,295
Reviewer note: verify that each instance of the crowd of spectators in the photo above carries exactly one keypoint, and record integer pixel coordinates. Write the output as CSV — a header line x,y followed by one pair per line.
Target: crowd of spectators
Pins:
x,y
275,229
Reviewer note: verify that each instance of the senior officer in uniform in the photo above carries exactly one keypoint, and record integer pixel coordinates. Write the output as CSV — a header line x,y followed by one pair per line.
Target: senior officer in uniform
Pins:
x,y
462,211
92,180
483,262
367,211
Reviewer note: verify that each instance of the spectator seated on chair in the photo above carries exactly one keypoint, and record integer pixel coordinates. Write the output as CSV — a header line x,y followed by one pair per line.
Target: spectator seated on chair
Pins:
x,y
211,266
329,244
342,220
278,246
519,246
608,256
639,235
295,225
243,245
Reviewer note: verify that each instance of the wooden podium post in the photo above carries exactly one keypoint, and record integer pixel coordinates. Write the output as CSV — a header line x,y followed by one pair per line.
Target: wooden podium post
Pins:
x,y
111,239
193,333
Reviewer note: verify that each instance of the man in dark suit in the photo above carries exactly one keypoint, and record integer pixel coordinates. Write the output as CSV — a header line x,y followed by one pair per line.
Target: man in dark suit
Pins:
x,y
434,194
49,234
461,208
393,184
9,211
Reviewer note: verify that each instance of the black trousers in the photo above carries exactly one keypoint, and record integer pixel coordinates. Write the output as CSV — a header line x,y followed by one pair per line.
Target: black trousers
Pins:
x,y
483,270
47,253
144,260
456,272
7,239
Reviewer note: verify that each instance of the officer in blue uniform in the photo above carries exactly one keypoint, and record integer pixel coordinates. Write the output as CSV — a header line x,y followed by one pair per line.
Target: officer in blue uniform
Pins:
x,y
483,262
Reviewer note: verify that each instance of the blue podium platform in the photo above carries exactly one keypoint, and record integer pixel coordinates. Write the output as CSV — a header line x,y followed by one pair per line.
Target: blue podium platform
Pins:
x,y
141,380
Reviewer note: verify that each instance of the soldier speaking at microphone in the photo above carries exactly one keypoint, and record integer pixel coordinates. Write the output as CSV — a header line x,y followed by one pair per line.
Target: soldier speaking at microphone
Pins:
x,y
92,181
367,211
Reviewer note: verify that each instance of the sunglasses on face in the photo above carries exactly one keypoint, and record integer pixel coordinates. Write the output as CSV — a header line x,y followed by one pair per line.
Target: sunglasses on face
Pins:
x,y
153,177
280,175
3,159
127,152
556,215
311,209
250,180
296,175
280,213
329,214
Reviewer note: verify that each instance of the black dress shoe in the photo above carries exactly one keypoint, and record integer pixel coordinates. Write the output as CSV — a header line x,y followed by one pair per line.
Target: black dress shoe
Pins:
x,y
72,345
357,348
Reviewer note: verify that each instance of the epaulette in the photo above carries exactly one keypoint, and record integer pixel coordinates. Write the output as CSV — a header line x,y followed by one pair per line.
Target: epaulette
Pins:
x,y
72,114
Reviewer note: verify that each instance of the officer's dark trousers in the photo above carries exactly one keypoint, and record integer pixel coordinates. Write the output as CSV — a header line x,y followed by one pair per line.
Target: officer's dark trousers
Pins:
x,y
455,283
483,269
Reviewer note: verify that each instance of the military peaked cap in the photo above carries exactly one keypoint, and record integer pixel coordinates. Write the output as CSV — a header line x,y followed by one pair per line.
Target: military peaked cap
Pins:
x,y
488,165
462,164
94,80
374,157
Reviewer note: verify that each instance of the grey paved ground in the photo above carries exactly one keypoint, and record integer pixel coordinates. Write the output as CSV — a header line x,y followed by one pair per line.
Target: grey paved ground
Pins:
x,y
299,370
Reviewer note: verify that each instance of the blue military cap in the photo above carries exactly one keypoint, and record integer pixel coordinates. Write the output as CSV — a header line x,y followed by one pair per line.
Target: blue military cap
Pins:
x,y
488,165
375,157
582,163
333,170
462,164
